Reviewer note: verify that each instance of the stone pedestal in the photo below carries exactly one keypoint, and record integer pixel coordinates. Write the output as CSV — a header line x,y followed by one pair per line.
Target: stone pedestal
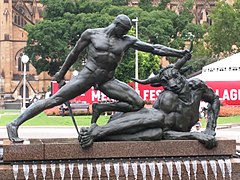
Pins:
x,y
58,158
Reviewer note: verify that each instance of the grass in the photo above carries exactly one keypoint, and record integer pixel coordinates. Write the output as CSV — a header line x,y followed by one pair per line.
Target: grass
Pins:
x,y
44,120
225,120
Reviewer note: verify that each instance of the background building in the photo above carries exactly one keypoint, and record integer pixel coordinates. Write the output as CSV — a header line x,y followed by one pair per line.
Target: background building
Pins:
x,y
15,14
201,8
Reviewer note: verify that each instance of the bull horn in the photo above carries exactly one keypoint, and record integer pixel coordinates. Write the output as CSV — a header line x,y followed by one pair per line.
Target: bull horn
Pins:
x,y
144,81
151,80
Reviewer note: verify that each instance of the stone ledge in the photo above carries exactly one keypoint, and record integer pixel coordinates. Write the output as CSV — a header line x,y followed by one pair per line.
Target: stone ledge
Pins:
x,y
67,149
28,150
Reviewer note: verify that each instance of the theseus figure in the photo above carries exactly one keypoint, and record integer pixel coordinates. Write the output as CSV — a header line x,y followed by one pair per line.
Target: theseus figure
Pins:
x,y
173,114
106,47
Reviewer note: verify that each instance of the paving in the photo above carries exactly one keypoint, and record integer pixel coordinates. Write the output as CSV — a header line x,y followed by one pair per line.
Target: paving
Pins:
x,y
223,131
42,132
233,133
227,131
230,133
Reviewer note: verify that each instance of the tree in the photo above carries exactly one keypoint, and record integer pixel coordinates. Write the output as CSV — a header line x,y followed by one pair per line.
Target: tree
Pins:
x,y
197,63
224,33
50,40
120,2
146,5
147,63
64,21
162,5
47,44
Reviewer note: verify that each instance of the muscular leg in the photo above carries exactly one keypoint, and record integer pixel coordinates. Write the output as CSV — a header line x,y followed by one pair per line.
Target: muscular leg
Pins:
x,y
127,99
129,123
67,92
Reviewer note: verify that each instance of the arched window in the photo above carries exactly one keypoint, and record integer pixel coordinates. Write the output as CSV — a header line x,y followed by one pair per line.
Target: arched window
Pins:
x,y
21,65
19,20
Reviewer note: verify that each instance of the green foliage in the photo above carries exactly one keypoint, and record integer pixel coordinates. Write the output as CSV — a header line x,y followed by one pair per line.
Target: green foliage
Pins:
x,y
120,2
197,63
126,69
197,30
44,42
185,17
65,20
201,57
93,6
57,8
163,4
226,27
147,63
200,49
146,5
158,25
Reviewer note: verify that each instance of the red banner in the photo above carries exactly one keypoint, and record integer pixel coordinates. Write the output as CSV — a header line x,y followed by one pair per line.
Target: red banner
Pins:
x,y
146,92
228,91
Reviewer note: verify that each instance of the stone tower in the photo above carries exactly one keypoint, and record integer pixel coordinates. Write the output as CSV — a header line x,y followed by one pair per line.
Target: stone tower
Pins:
x,y
14,15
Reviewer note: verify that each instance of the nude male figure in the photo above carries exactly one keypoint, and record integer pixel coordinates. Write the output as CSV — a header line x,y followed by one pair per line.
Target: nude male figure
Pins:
x,y
173,115
106,47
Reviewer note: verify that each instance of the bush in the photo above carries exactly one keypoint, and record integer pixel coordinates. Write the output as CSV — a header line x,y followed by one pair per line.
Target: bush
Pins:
x,y
226,111
55,111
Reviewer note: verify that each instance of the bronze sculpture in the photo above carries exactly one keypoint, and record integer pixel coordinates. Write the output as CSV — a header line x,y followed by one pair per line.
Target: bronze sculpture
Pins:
x,y
106,47
172,116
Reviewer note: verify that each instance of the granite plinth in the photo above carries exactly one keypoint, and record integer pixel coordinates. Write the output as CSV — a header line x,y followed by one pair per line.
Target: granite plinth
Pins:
x,y
28,150
69,149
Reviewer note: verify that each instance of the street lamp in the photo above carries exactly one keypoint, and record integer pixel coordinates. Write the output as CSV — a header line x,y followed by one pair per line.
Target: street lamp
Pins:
x,y
24,60
136,54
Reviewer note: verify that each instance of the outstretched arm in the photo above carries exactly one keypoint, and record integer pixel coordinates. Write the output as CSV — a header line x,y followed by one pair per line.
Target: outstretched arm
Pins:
x,y
83,42
158,49
209,141
162,50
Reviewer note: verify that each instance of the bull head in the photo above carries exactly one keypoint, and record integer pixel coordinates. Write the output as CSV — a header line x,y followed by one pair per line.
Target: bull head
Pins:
x,y
156,80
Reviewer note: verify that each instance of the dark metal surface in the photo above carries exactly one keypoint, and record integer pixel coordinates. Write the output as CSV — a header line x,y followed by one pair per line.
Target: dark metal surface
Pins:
x,y
106,47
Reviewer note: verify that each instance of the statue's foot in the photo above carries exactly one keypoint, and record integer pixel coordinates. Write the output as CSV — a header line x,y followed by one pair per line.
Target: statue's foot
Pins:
x,y
87,136
208,141
95,113
12,133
